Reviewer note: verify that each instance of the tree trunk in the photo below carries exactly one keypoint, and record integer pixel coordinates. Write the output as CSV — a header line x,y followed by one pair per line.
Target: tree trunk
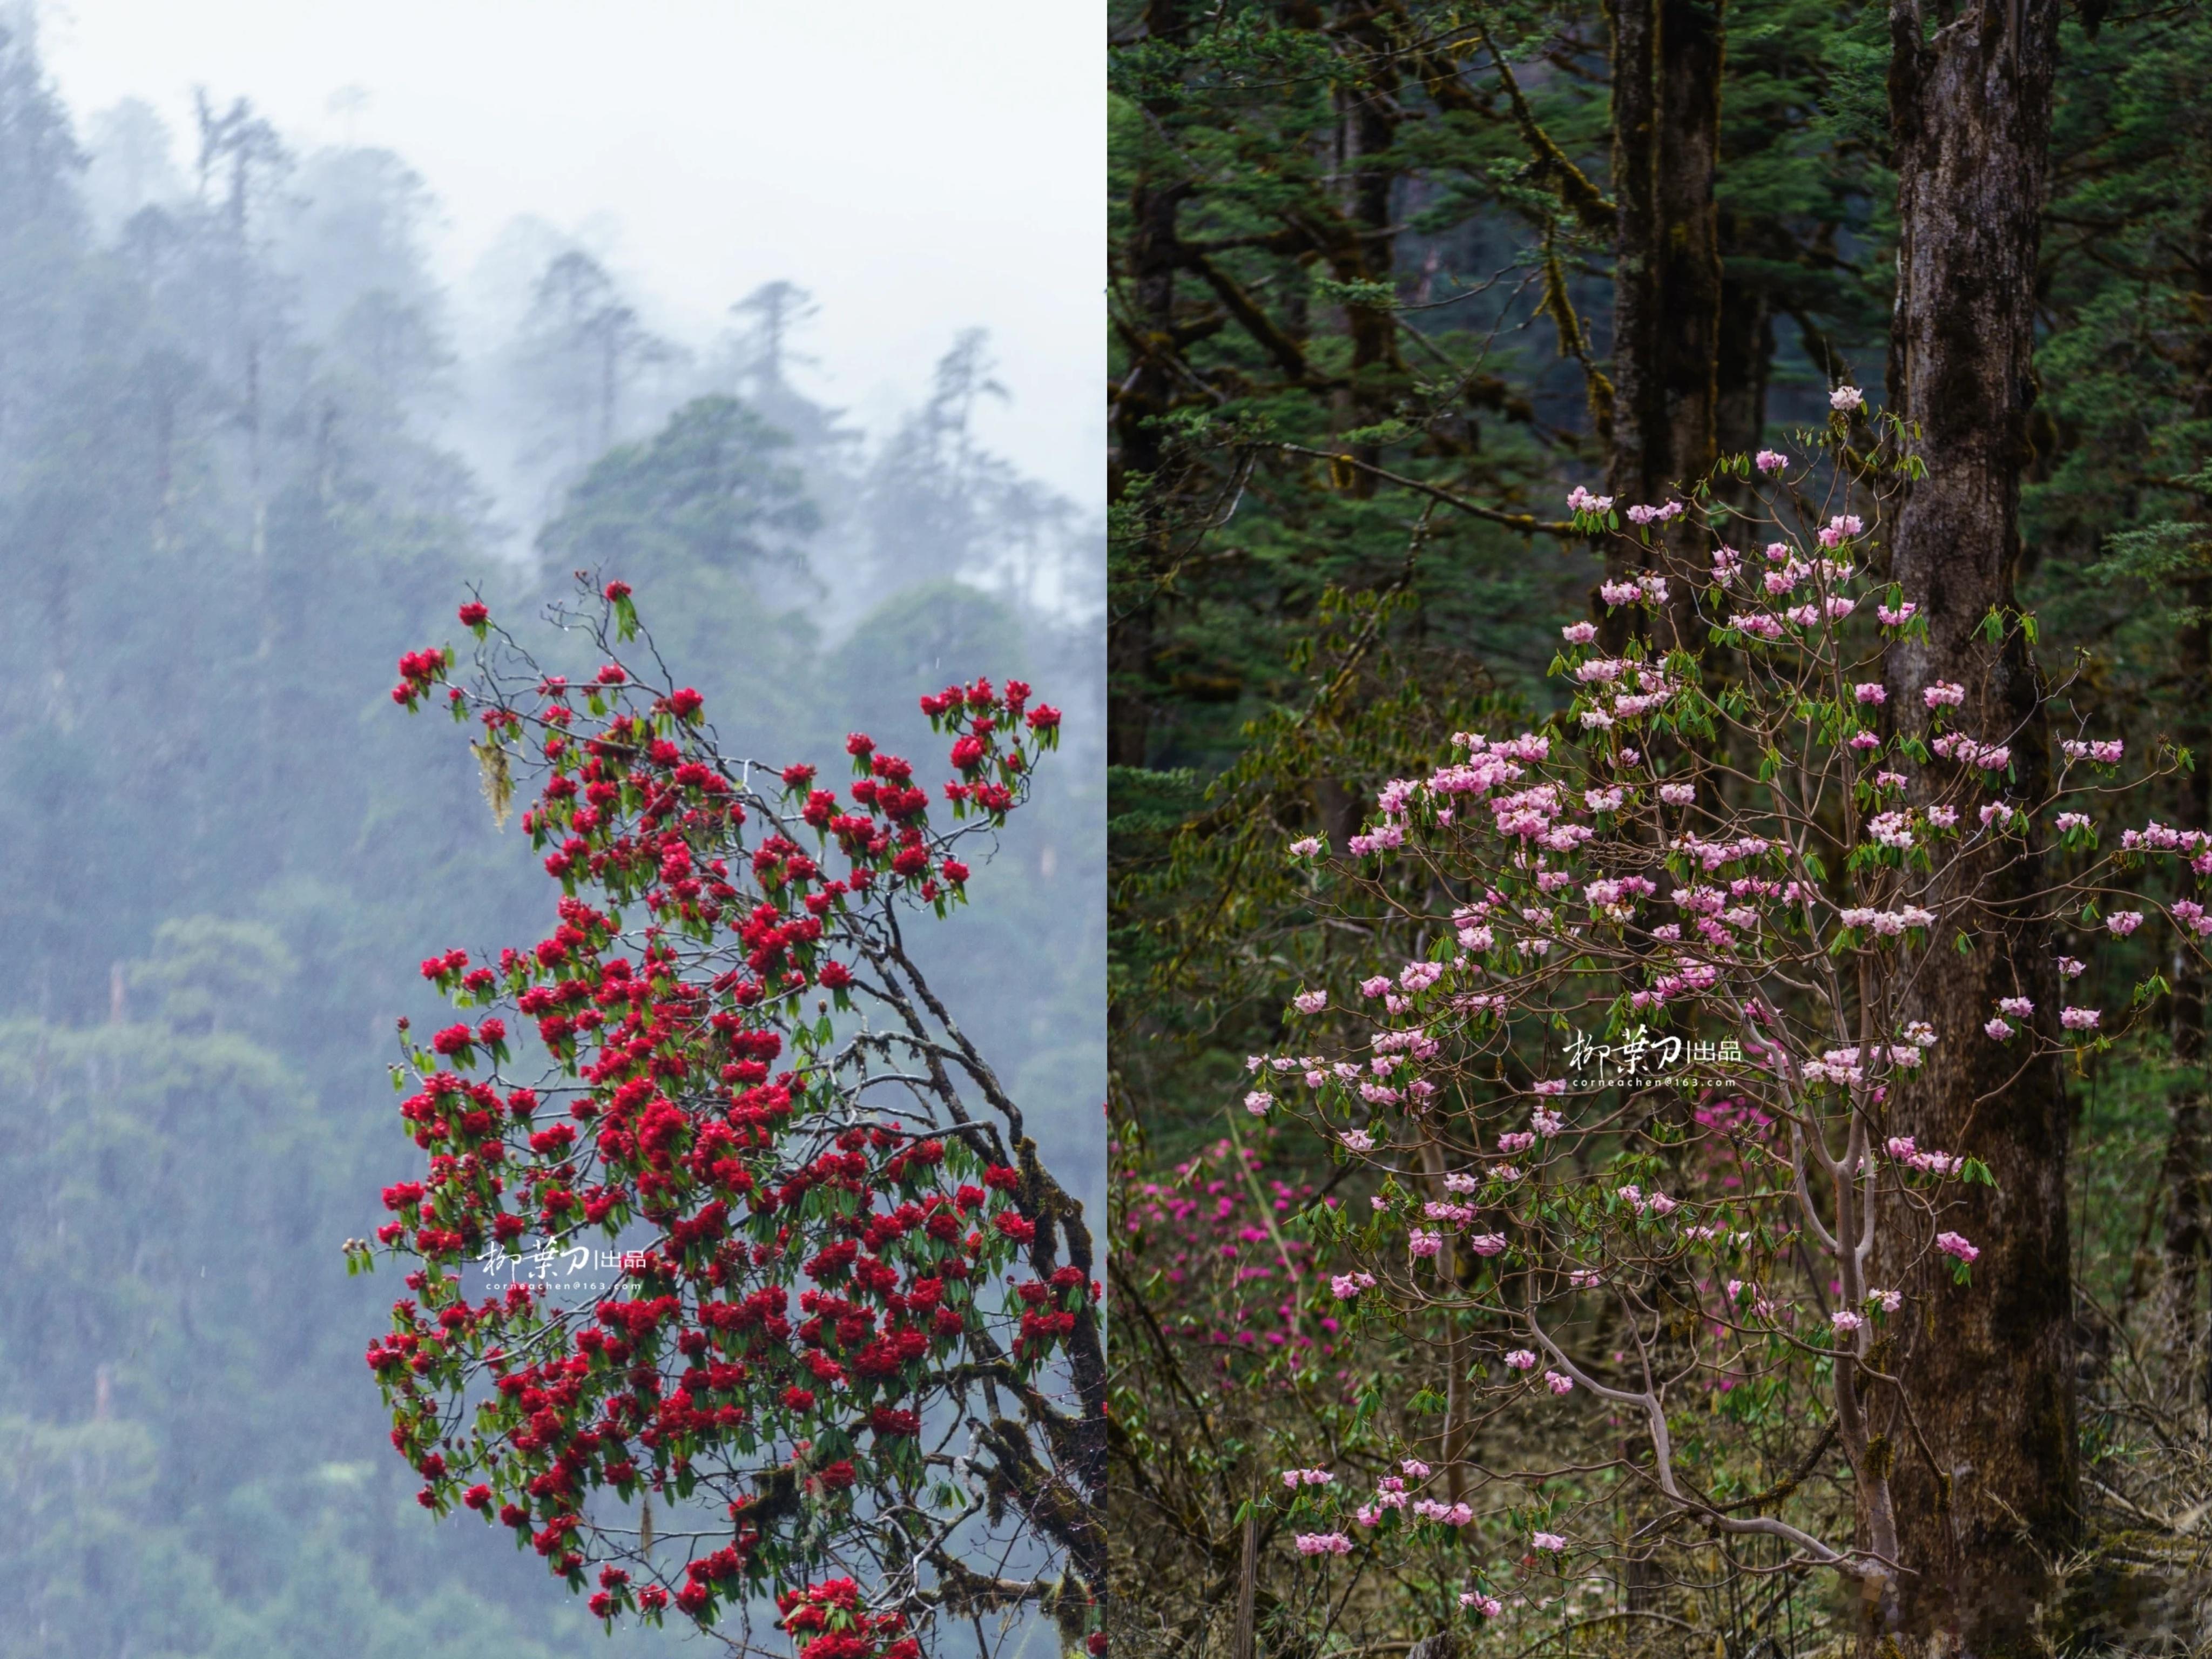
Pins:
x,y
1988,1370
1666,59
2187,1172
1143,399
1666,56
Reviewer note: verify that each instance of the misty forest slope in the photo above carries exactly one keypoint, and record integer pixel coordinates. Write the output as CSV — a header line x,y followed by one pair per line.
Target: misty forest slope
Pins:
x,y
230,495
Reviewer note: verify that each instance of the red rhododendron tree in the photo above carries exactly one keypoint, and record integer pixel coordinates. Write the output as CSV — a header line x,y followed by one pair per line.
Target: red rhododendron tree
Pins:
x,y
1628,1114
851,1360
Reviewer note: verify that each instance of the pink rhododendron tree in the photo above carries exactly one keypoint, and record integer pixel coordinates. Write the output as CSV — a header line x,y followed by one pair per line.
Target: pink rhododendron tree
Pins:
x,y
1627,1112
850,1358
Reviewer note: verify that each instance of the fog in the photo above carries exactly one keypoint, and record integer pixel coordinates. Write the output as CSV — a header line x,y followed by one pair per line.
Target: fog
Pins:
x,y
311,320
910,170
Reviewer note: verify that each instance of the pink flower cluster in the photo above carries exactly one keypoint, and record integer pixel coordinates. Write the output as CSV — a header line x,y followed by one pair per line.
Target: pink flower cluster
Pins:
x,y
2105,752
1902,1149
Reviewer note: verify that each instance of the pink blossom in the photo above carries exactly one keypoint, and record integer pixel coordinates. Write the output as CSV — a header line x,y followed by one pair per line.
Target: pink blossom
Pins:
x,y
1546,1123
1558,1383
1293,1478
1845,1321
1871,691
2106,752
2123,923
1770,460
1520,1361
2080,1019
1943,694
1580,632
1896,618
1257,1102
1580,500
1998,1030
2068,968
1956,1244
1845,399
1423,1244
1345,1287
2018,1007
1515,1142
1485,1244
1417,977
1678,794
1310,1002
1887,1301
1323,1543
1448,1514
1488,1605
1549,1540
1374,986
1306,846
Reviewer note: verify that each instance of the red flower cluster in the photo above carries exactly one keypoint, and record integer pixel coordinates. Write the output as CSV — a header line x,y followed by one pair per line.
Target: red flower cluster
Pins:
x,y
717,1130
829,1616
418,671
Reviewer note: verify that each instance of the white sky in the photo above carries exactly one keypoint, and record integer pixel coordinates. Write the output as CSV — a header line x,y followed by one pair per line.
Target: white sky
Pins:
x,y
920,169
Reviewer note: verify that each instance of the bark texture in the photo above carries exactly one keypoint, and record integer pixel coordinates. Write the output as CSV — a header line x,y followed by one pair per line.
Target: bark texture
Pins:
x,y
1667,61
1985,1478
1138,405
